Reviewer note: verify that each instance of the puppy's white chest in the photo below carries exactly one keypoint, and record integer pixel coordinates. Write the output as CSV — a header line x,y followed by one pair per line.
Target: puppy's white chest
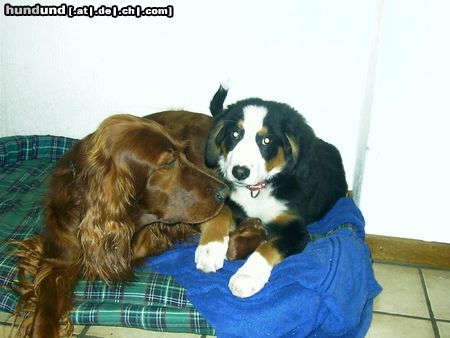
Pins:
x,y
265,206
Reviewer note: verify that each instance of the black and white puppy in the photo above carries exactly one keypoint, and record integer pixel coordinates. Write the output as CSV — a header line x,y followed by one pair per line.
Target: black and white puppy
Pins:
x,y
278,171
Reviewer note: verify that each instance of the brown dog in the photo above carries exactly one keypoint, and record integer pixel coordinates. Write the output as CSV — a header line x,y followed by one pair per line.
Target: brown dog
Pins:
x,y
127,191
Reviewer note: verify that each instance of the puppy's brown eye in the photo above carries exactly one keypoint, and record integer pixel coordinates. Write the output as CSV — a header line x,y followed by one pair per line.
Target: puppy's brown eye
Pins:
x,y
236,134
266,141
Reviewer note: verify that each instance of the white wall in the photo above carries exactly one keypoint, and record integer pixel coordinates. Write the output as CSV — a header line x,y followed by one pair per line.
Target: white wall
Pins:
x,y
63,76
406,182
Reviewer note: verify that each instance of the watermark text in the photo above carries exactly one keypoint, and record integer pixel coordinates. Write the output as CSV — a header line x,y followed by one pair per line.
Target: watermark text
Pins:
x,y
90,11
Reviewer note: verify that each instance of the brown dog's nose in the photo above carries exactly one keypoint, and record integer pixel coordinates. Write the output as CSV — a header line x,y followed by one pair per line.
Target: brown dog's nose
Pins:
x,y
222,193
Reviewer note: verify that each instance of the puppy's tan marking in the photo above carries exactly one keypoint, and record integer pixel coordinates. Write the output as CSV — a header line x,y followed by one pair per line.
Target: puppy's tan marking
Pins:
x,y
270,253
224,149
277,162
294,147
285,218
263,131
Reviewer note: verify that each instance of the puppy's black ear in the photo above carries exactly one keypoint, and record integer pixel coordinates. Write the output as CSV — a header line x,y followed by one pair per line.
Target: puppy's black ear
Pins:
x,y
212,152
216,105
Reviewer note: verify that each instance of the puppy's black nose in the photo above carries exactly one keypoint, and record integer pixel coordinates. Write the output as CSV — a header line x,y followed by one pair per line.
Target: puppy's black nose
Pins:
x,y
222,193
240,172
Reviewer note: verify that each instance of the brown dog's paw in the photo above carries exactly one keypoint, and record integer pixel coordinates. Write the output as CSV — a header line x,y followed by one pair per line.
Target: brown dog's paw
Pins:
x,y
245,239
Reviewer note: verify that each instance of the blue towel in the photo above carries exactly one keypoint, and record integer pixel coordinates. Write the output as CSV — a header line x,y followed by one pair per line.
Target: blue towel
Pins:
x,y
327,290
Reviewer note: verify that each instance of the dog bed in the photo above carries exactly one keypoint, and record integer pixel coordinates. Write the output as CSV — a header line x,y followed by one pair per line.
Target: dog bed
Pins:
x,y
152,301
325,291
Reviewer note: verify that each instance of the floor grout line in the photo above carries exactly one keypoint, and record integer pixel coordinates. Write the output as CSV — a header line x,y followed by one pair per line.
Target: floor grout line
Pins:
x,y
430,309
83,332
400,315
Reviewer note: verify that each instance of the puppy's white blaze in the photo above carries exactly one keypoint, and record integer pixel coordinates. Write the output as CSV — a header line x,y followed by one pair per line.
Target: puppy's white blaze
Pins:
x,y
222,165
246,153
251,277
210,257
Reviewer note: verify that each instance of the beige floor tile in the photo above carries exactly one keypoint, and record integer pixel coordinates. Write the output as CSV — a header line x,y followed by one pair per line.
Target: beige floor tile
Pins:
x,y
385,326
77,329
402,291
5,331
444,329
438,288
8,331
120,332
5,317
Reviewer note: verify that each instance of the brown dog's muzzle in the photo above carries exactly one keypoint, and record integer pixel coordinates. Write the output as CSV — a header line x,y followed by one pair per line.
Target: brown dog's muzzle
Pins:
x,y
206,194
184,194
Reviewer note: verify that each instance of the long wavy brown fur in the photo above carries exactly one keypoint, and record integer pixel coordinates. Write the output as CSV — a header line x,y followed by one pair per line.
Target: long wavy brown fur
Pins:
x,y
30,275
150,241
105,211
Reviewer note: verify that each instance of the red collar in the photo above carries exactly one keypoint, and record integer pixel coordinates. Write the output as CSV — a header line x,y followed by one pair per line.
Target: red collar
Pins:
x,y
255,189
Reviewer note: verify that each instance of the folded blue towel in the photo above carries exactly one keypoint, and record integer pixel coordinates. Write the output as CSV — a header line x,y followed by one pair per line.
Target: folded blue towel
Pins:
x,y
327,290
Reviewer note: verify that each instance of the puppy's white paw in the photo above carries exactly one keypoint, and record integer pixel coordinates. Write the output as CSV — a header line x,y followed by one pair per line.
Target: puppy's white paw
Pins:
x,y
251,277
244,286
210,257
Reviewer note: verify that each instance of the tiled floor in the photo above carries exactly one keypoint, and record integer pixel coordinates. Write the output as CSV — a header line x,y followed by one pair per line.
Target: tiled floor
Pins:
x,y
415,303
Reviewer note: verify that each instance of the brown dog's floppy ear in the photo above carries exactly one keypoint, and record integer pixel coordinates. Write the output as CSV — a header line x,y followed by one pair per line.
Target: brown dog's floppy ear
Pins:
x,y
106,227
212,151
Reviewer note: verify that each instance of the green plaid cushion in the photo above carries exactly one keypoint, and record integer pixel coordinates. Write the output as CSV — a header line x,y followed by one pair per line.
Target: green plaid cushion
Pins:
x,y
152,301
